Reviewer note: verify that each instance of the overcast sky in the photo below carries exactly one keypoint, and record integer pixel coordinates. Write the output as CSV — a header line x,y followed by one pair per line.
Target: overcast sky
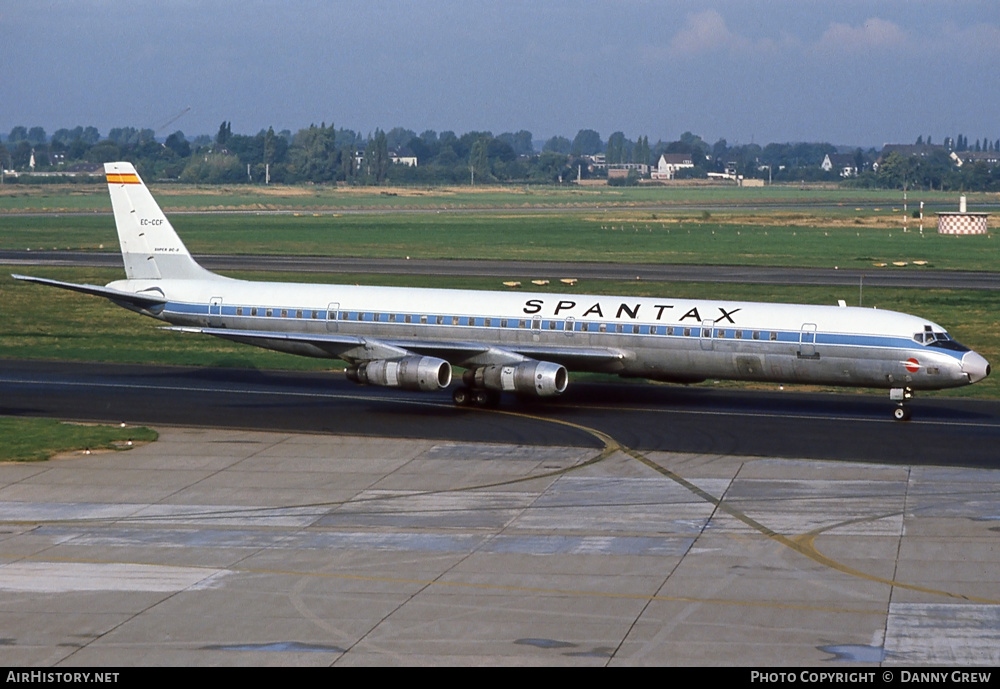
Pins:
x,y
847,72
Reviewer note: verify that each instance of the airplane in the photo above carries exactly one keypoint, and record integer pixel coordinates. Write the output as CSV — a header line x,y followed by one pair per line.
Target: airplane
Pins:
x,y
524,344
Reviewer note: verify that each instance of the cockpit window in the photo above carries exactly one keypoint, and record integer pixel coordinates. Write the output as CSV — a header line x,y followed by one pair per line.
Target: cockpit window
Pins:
x,y
938,338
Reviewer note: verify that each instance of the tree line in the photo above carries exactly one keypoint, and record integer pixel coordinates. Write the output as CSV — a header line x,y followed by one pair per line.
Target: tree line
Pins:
x,y
325,154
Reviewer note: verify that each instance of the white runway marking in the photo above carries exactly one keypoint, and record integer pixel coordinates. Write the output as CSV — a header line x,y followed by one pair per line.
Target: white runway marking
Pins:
x,y
69,577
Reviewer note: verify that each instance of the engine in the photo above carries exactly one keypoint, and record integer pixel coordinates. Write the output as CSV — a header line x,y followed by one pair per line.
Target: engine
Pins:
x,y
540,378
424,373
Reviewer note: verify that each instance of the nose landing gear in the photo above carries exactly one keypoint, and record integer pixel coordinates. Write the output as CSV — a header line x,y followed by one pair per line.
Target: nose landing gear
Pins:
x,y
901,396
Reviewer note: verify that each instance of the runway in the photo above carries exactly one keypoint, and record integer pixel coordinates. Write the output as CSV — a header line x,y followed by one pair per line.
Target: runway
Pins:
x,y
553,270
295,519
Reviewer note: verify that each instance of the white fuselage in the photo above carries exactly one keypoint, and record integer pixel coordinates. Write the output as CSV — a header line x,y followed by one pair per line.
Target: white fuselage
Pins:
x,y
680,340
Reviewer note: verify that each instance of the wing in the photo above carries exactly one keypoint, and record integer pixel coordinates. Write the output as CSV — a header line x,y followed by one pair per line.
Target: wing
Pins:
x,y
354,348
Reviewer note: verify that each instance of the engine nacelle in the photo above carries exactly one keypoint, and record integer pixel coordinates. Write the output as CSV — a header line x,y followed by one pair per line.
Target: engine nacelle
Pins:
x,y
539,378
424,373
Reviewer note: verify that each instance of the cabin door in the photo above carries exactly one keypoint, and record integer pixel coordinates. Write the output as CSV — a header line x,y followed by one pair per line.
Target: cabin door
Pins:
x,y
807,341
707,333
215,312
332,314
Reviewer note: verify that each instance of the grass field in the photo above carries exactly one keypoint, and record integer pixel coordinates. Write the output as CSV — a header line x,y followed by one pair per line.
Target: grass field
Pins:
x,y
179,197
722,238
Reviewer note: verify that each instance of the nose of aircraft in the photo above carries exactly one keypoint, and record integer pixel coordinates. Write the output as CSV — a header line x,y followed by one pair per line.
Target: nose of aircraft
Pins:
x,y
975,366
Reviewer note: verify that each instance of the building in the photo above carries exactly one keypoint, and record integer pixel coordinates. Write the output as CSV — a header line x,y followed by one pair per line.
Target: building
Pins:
x,y
403,156
670,163
962,222
991,158
843,163
908,151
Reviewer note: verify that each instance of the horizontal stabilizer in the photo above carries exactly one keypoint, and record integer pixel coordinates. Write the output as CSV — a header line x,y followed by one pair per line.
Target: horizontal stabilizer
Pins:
x,y
142,300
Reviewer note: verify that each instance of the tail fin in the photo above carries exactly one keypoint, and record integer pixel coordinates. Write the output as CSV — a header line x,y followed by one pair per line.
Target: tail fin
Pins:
x,y
151,248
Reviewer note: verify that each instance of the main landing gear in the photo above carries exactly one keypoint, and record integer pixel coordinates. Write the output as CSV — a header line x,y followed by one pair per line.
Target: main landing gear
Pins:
x,y
901,396
475,397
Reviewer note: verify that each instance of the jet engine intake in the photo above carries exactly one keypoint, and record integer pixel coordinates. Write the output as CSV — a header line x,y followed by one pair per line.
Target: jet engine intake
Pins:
x,y
539,378
424,373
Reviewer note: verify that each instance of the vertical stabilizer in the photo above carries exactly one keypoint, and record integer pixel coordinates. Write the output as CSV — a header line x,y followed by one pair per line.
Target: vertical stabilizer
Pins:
x,y
151,249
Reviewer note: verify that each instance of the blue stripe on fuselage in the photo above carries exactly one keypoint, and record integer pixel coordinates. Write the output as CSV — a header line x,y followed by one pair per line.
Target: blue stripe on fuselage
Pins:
x,y
518,323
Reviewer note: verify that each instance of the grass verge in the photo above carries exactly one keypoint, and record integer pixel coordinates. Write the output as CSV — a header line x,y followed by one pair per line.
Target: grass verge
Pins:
x,y
34,440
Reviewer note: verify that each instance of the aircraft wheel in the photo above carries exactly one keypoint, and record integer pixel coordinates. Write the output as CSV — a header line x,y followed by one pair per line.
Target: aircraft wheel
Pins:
x,y
485,398
901,413
461,396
